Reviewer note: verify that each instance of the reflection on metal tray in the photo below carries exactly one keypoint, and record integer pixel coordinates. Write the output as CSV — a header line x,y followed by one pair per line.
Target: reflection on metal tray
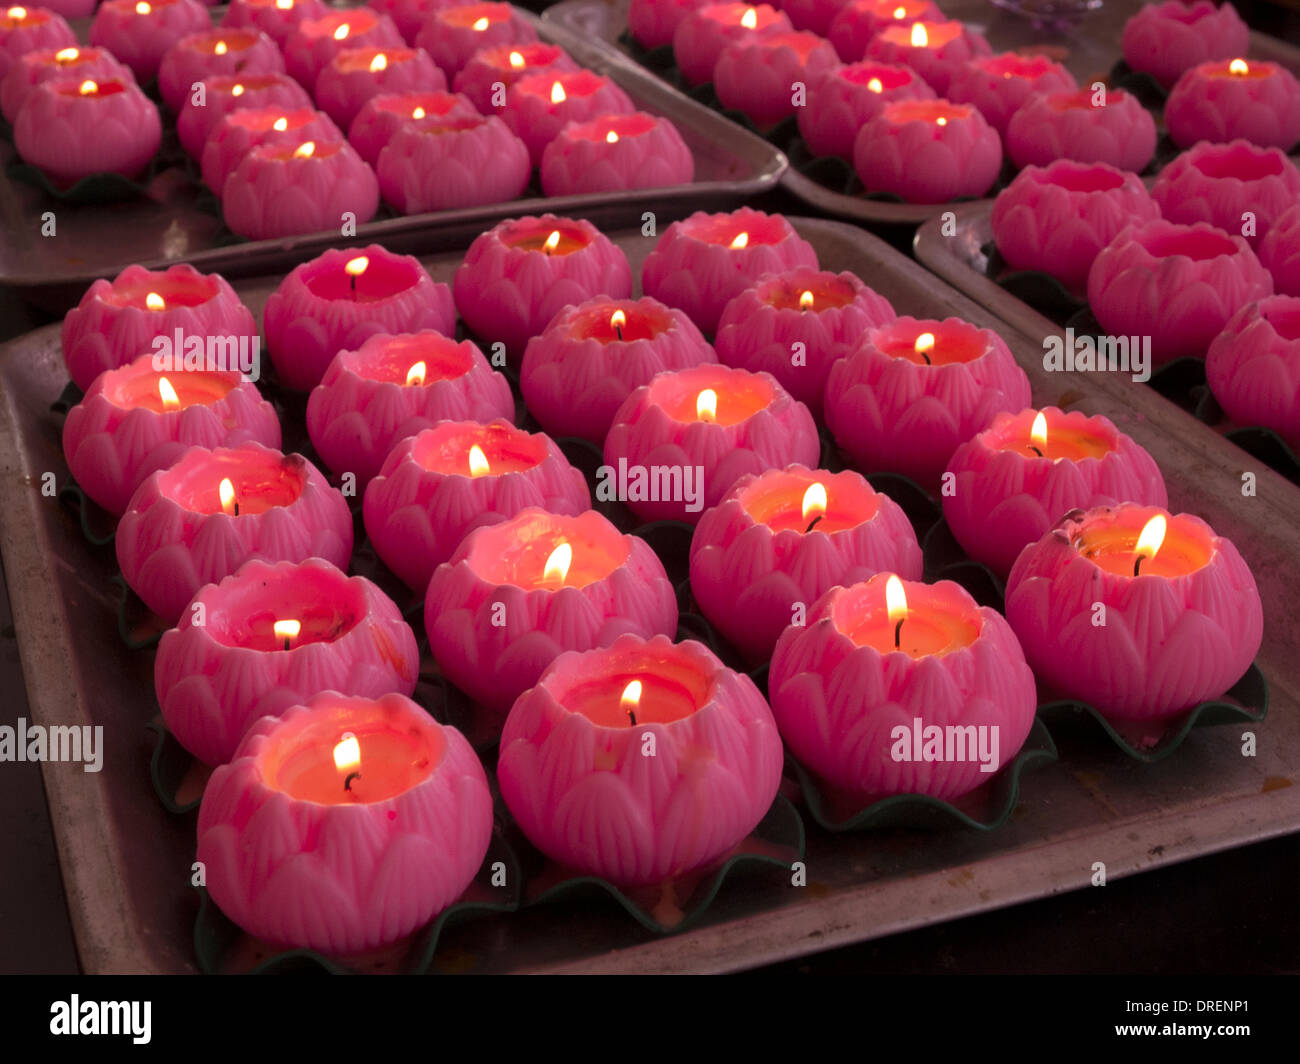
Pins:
x,y
95,240
126,861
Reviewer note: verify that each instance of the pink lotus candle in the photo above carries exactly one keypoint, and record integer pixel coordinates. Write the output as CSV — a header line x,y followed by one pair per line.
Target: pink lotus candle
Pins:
x,y
340,299
653,22
71,8
914,391
856,22
778,541
844,100
210,52
701,36
392,387
558,583
234,92
271,636
27,29
1164,40
240,132
866,693
935,50
367,819
282,190
704,261
354,75
999,85
117,320
706,427
504,65
198,520
1224,183
519,274
795,325
1058,218
928,151
453,34
1067,125
135,420
72,129
1183,616
1234,99
45,64
314,42
591,357
275,18
382,116
573,772
616,152
1017,478
438,486
1253,366
1279,252
409,16
450,163
815,16
754,74
1177,284
539,105
139,32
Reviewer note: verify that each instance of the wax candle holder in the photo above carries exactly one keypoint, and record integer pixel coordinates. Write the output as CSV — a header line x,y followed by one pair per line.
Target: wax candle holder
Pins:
x,y
796,325
768,550
1224,184
999,85
704,261
1253,366
1056,219
424,810
239,132
139,32
44,64
117,320
858,21
342,298
701,36
708,424
232,92
135,420
451,35
312,43
591,357
505,64
392,387
652,22
354,75
1068,125
1279,252
25,29
275,18
382,116
505,604
539,105
1177,284
1164,40
215,679
1235,99
519,274
179,533
616,153
211,52
843,100
453,163
754,74
935,50
914,391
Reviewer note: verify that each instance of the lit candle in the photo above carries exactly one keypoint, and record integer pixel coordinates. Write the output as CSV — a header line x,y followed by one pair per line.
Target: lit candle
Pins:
x,y
616,152
935,50
239,132
845,99
355,75
858,21
539,105
210,52
452,35
1233,99
43,64
139,32
1253,366
1071,125
1166,39
382,116
999,85
506,64
312,43
702,35
25,29
225,93
275,18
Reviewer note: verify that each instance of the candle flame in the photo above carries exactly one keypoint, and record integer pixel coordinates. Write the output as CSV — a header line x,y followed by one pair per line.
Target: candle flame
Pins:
x,y
280,125
142,8
806,301
741,240
749,19
480,24
380,62
287,629
1038,434
875,85
631,699
1238,67
941,121
88,88
238,90
552,241
66,55
170,400
900,12
220,48
415,375
611,137
342,32
924,344
356,267
347,753
617,320
706,405
17,13
305,150
895,599
226,490
557,93
419,112
557,565
517,60
154,301
814,500
1153,535
284,5
920,39
478,463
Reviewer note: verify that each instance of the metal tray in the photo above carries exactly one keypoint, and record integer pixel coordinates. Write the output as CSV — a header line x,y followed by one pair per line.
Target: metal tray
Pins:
x,y
1089,49
97,240
126,862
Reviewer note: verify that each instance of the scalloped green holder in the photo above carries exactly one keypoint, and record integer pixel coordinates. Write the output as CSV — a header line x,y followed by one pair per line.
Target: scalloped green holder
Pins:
x,y
178,777
222,948
669,908
94,188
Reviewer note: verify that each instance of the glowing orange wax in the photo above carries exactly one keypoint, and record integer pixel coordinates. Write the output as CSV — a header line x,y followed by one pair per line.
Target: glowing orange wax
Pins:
x,y
935,621
1059,441
448,449
780,500
739,395
933,343
1114,547
443,359
813,295
141,390
934,34
517,551
261,482
541,236
661,699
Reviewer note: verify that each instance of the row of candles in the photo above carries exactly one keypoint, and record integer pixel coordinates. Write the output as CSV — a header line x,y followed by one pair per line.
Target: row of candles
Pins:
x,y
295,678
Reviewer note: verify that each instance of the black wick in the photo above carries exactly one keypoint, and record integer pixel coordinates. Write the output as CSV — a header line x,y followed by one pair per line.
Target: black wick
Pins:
x,y
347,782
926,357
1137,564
236,507
813,522
631,716
619,329
898,632
1036,450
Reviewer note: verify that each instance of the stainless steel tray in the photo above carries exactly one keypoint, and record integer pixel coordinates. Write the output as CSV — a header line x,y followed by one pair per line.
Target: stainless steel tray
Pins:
x,y
1090,49
126,862
96,240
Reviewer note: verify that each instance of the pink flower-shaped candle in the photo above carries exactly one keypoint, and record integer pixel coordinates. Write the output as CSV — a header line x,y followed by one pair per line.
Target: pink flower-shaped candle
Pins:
x,y
139,32
1182,616
438,486
382,116
1253,366
241,131
845,99
679,443
504,65
312,43
393,387
198,56
999,85
452,35
1164,40
354,75
858,21
344,825
918,691
449,163
935,50
201,518
814,16
233,92
701,36
269,637
653,22
1071,125
914,391
575,774
756,74
1229,99
1057,218
46,64
409,16
25,29
778,541
1279,252
275,18
1177,284
539,105
517,594
616,152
